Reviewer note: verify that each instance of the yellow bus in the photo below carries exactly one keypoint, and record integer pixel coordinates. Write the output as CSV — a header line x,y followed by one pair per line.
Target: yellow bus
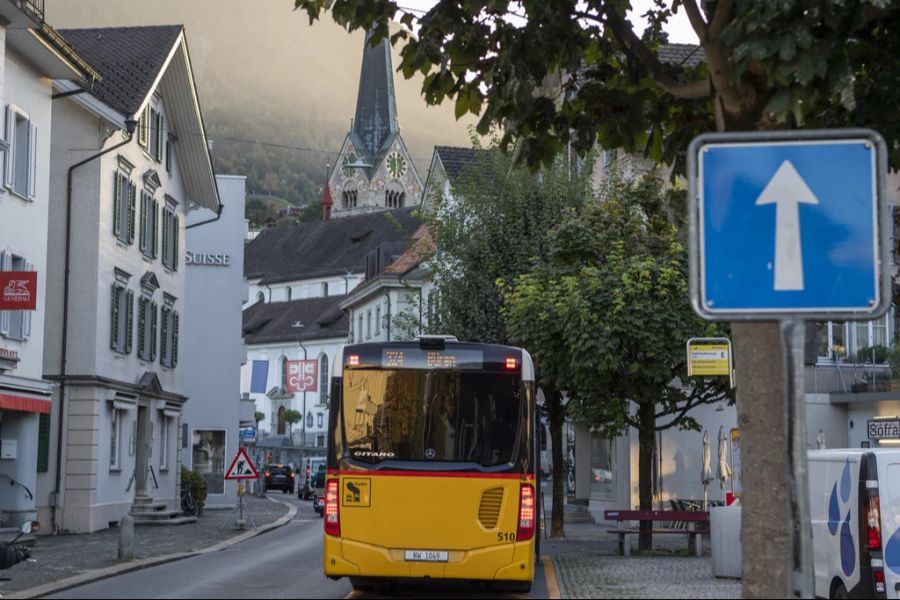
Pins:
x,y
431,467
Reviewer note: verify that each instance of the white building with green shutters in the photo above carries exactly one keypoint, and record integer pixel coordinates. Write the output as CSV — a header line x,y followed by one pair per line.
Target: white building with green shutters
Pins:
x,y
116,277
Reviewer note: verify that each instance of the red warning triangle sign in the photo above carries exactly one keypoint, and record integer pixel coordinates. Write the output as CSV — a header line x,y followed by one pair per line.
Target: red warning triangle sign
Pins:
x,y
241,467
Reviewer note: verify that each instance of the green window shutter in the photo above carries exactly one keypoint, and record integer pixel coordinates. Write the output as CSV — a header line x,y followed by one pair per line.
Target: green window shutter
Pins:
x,y
132,189
165,237
155,226
129,320
43,457
175,237
174,362
159,136
117,205
144,222
163,338
153,313
142,323
114,319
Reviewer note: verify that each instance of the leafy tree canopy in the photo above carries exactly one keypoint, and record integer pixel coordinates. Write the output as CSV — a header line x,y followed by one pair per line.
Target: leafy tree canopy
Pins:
x,y
766,64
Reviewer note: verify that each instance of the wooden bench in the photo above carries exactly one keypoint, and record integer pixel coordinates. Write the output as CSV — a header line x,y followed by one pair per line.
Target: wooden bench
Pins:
x,y
690,517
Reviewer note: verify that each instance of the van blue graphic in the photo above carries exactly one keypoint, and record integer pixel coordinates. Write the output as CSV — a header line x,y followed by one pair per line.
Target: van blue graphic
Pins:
x,y
847,545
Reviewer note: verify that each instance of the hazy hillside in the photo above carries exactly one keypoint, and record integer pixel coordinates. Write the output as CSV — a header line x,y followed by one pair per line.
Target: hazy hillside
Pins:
x,y
266,76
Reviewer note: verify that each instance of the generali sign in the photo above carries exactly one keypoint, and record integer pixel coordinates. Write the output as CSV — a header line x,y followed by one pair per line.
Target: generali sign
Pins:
x,y
18,290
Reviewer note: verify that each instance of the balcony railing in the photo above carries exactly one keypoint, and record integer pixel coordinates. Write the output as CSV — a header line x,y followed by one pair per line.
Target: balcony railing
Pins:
x,y
33,7
848,378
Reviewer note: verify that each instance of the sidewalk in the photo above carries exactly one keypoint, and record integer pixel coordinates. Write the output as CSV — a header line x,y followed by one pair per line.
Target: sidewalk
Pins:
x,y
587,566
55,558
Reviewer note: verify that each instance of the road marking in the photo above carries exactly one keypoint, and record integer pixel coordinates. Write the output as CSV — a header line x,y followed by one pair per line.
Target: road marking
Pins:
x,y
550,575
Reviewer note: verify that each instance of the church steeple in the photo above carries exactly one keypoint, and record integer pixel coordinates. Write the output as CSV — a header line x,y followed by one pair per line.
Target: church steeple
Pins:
x,y
376,106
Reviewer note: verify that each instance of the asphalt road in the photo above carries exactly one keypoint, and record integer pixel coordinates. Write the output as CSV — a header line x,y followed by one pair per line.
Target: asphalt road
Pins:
x,y
284,563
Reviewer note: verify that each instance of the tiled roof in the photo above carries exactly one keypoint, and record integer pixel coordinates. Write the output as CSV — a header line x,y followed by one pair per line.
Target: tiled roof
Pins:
x,y
457,159
325,248
128,58
688,55
273,322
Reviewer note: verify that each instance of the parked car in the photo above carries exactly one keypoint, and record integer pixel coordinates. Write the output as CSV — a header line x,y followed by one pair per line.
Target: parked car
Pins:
x,y
855,522
304,487
280,477
318,484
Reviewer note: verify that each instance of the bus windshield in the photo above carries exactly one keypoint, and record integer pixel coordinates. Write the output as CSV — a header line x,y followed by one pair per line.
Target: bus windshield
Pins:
x,y
432,415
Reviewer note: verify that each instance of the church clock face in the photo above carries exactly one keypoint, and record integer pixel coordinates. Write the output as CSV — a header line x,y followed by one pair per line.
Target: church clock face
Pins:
x,y
350,157
396,164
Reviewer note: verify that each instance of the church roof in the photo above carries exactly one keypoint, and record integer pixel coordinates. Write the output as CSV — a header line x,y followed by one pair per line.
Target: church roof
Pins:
x,y
325,248
376,105
456,159
274,322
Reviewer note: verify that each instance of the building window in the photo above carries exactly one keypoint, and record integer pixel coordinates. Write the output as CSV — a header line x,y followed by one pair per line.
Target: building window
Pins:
x,y
151,131
603,467
260,297
378,320
209,458
321,420
123,208
289,294
168,339
147,327
394,198
360,330
170,232
324,377
149,225
320,441
121,318
115,440
325,290
15,324
20,140
831,339
349,196
169,149
164,443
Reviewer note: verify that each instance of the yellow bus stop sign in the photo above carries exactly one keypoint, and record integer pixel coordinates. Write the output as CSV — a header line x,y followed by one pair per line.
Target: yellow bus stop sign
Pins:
x,y
710,357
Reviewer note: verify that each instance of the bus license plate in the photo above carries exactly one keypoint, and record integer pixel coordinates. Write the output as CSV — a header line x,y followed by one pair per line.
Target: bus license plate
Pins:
x,y
427,555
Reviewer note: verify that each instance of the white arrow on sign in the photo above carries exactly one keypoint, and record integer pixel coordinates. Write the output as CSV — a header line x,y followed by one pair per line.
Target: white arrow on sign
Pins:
x,y
787,190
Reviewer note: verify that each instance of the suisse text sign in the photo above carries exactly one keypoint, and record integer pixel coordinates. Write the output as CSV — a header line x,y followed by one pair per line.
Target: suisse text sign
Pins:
x,y
208,259
884,429
788,224
18,290
301,375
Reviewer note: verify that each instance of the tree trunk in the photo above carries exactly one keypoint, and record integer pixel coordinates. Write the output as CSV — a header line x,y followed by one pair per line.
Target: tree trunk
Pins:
x,y
766,511
647,420
557,413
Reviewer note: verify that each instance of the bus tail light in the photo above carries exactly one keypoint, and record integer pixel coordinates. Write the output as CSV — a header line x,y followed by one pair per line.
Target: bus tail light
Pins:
x,y
526,513
353,360
511,364
332,508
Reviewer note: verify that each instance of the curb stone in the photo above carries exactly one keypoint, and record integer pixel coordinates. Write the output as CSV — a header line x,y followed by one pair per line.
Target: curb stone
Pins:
x,y
144,563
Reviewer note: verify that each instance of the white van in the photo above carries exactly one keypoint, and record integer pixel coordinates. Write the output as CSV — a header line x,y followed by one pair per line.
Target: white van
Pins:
x,y
855,509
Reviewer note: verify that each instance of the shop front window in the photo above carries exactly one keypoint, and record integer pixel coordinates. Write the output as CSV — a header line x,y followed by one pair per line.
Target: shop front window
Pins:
x,y
603,468
209,458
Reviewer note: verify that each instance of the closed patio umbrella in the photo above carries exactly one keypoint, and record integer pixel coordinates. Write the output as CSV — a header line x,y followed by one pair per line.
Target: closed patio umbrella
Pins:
x,y
706,472
820,440
723,472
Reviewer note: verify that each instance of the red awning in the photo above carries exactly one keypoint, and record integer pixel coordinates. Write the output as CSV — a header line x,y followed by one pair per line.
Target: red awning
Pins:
x,y
24,403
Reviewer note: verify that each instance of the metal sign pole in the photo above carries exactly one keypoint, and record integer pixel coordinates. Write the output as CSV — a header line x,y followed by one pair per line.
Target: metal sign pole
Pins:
x,y
793,336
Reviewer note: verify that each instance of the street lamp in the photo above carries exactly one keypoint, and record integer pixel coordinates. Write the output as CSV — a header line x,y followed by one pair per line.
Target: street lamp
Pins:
x,y
299,325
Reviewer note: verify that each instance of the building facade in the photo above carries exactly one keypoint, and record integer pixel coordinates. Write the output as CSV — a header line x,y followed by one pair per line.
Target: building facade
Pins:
x,y
30,59
215,271
135,152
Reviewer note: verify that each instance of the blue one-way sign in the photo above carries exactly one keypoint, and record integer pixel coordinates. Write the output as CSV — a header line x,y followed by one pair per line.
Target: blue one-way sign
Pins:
x,y
789,225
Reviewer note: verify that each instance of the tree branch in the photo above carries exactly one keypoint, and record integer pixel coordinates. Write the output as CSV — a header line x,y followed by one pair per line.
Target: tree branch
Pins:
x,y
633,45
673,422
696,19
721,18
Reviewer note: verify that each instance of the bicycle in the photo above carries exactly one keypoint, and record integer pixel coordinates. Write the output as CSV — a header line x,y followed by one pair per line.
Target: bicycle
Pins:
x,y
189,505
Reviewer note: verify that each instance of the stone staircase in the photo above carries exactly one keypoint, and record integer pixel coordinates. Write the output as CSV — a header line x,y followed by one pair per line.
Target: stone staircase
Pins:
x,y
146,512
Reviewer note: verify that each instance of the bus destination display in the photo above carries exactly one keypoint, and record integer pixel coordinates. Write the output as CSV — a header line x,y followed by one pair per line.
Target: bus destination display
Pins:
x,y
432,359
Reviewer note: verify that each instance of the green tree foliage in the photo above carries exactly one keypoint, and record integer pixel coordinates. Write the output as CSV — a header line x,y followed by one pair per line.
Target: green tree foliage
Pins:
x,y
497,227
608,315
290,417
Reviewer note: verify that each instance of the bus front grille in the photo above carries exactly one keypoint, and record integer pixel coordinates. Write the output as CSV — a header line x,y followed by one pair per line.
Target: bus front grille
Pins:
x,y
489,511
